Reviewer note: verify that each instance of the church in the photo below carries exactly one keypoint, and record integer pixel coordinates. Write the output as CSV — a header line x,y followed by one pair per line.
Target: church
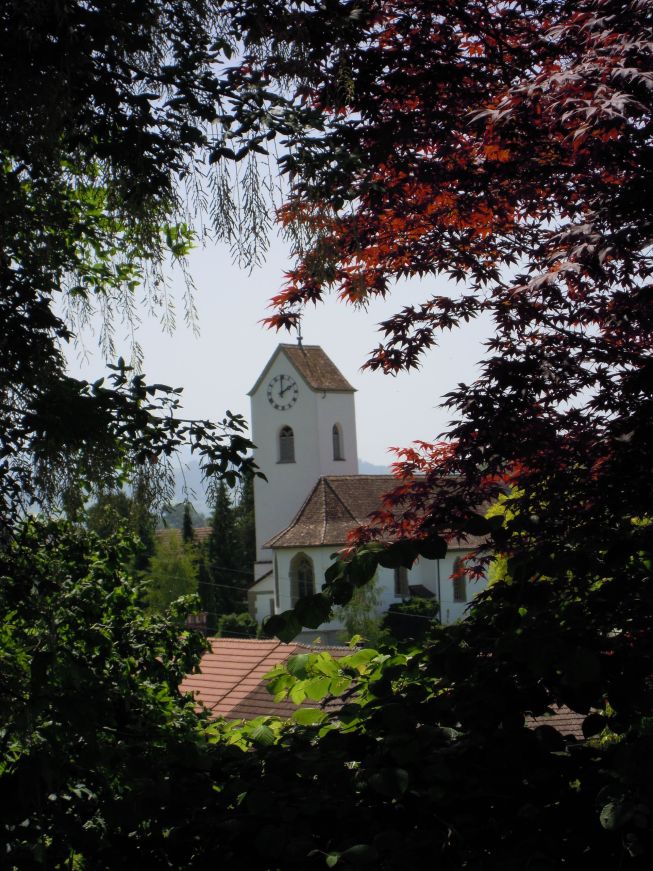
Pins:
x,y
304,426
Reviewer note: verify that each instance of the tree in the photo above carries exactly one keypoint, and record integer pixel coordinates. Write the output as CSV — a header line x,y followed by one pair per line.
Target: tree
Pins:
x,y
412,619
172,571
506,146
99,131
114,512
360,616
93,723
225,558
245,525
187,531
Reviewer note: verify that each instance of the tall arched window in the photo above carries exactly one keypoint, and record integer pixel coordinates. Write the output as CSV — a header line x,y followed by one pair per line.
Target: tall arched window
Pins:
x,y
286,445
459,581
302,577
336,434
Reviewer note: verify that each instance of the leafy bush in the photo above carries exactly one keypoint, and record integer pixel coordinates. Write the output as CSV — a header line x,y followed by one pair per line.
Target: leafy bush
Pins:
x,y
412,619
237,626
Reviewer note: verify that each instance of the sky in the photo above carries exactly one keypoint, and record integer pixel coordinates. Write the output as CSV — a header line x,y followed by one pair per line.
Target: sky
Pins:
x,y
217,368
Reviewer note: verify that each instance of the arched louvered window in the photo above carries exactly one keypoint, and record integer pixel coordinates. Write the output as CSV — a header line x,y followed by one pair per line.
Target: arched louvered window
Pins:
x,y
302,577
459,581
286,445
336,434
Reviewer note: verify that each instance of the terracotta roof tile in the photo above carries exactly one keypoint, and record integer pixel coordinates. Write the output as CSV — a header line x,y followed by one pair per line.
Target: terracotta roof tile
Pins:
x,y
201,533
230,683
563,720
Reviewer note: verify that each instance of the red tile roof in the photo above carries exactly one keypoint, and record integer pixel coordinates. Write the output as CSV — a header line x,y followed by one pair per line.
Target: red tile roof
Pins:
x,y
230,683
563,720
335,506
200,533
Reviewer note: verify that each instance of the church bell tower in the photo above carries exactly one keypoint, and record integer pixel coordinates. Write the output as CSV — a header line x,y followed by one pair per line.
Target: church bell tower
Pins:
x,y
303,426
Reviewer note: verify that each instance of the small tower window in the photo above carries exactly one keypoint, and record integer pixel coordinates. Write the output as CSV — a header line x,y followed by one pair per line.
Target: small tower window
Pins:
x,y
286,445
459,581
302,578
401,582
336,434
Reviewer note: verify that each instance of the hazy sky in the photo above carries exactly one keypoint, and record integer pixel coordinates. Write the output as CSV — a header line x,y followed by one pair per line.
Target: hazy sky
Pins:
x,y
217,368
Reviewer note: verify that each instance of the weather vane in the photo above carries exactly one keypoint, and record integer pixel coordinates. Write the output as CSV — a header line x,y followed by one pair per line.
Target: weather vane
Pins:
x,y
298,324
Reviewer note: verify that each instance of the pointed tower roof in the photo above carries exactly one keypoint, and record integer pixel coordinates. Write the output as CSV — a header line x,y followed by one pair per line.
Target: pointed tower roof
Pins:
x,y
317,370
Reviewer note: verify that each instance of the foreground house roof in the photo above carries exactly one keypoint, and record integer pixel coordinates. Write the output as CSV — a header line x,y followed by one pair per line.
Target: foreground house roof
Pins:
x,y
200,533
336,505
319,372
230,681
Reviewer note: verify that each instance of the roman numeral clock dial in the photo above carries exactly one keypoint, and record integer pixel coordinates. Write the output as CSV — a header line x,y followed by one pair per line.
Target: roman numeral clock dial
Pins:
x,y
282,392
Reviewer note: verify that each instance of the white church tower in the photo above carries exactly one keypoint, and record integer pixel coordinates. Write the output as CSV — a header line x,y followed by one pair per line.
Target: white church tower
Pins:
x,y
303,426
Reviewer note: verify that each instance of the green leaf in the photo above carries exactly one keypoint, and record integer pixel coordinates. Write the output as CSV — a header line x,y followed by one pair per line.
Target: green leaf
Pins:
x,y
335,571
308,716
285,626
361,854
391,782
398,555
593,724
312,611
615,815
341,592
262,735
317,688
297,665
332,860
361,568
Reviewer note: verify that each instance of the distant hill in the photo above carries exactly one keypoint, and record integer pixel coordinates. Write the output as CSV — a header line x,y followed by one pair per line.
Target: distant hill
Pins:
x,y
366,468
189,485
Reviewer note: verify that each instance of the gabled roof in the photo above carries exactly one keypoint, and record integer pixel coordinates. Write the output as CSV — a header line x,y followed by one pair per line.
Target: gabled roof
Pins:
x,y
200,533
317,370
230,681
336,505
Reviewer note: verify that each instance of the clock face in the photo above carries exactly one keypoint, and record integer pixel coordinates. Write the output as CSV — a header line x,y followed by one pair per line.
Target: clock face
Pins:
x,y
282,392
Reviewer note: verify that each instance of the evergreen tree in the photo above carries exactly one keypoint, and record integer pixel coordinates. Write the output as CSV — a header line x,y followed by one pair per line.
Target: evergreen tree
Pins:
x,y
225,562
245,526
187,531
206,590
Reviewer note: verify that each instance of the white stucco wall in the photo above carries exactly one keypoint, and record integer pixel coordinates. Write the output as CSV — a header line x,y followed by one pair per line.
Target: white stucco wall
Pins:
x,y
423,572
260,598
277,500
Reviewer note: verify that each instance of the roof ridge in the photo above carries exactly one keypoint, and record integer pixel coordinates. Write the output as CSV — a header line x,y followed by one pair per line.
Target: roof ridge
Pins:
x,y
324,506
346,507
270,541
